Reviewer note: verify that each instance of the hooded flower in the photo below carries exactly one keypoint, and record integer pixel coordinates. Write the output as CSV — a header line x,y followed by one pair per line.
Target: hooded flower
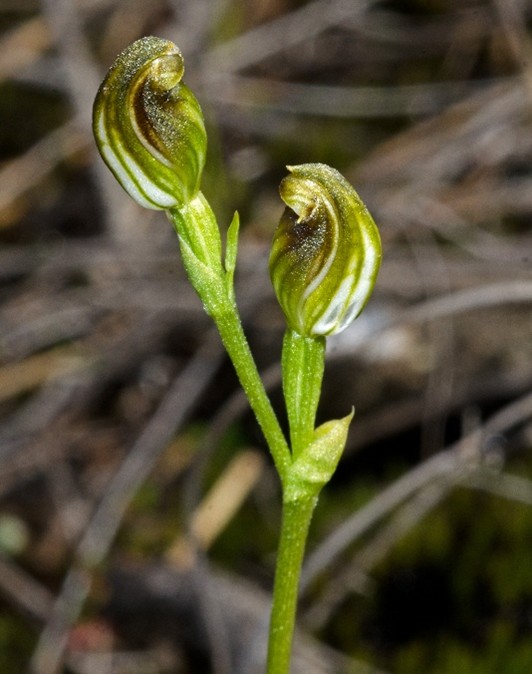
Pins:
x,y
149,126
326,251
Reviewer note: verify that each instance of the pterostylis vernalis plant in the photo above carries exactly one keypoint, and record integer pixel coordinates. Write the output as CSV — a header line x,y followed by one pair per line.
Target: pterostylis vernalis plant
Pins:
x,y
324,261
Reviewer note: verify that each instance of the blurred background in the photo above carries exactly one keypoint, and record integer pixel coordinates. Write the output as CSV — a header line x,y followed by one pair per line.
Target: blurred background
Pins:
x,y
139,509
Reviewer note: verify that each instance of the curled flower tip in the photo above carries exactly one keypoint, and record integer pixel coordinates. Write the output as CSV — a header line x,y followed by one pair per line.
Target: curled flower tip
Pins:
x,y
149,126
326,251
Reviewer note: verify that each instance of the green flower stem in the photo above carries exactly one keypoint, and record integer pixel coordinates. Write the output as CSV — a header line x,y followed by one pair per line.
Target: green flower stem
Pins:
x,y
235,342
296,519
213,283
302,364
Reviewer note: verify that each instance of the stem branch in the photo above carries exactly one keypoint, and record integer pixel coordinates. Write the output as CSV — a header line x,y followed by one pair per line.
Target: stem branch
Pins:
x,y
302,365
201,252
235,342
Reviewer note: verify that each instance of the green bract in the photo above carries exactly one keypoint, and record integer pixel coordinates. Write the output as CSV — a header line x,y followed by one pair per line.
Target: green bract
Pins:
x,y
326,251
149,126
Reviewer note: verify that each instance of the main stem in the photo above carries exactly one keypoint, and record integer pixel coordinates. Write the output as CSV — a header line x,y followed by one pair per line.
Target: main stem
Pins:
x,y
294,529
297,512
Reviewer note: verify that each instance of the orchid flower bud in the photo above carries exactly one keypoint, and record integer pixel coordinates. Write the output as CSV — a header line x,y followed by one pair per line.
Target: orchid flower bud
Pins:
x,y
326,251
149,126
